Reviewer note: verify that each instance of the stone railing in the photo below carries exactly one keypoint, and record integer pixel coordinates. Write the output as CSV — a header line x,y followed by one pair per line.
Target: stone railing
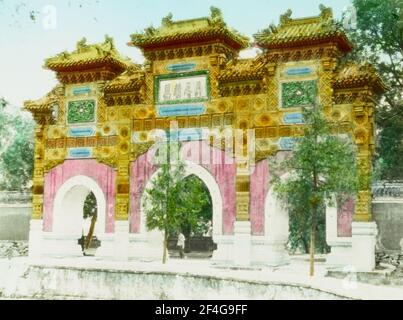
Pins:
x,y
383,189
11,197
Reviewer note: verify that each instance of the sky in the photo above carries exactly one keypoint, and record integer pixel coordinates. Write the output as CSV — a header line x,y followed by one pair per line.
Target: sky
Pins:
x,y
57,25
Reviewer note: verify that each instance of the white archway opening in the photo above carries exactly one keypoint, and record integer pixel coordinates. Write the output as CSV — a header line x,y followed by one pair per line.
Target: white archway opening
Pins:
x,y
69,206
148,244
212,186
276,230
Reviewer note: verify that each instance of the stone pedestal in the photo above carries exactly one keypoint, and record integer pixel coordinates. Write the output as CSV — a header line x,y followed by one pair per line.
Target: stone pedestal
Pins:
x,y
121,240
61,245
35,238
363,245
275,252
224,252
340,253
340,247
242,243
107,248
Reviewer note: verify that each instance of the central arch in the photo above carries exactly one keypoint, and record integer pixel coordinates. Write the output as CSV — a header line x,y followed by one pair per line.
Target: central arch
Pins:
x,y
212,186
276,226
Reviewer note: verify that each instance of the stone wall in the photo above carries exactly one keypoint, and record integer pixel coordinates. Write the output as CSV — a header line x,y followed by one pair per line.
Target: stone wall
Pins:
x,y
47,282
389,219
15,213
387,208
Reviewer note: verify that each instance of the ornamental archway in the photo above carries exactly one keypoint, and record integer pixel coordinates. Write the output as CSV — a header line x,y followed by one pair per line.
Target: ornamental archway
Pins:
x,y
68,213
200,82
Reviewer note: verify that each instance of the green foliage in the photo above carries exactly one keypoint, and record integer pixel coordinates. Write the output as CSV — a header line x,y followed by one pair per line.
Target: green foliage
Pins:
x,y
390,149
173,202
16,150
321,166
90,206
379,40
300,230
197,222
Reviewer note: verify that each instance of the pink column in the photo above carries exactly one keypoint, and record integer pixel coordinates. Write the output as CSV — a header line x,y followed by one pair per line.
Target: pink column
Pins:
x,y
102,174
259,186
345,218
140,172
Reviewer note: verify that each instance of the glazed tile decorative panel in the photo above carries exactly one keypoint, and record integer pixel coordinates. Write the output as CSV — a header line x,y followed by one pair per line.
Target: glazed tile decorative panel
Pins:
x,y
293,118
80,153
286,143
81,131
185,87
81,111
180,110
298,93
81,90
181,67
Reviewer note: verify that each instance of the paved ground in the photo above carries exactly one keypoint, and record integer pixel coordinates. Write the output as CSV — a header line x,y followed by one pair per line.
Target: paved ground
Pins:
x,y
350,285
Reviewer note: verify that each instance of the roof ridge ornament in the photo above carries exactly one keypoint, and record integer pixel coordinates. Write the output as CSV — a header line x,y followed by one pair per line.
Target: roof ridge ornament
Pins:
x,y
326,13
216,15
286,17
82,45
109,40
167,20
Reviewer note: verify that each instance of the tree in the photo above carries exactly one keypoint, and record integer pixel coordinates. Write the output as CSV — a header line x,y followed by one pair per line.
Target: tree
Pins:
x,y
168,204
16,150
321,166
90,210
378,38
198,221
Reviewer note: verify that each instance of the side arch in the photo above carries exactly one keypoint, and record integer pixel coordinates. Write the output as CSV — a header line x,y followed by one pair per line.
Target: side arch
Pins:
x,y
68,205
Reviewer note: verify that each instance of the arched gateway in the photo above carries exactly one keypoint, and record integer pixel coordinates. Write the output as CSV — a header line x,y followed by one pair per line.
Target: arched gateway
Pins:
x,y
95,133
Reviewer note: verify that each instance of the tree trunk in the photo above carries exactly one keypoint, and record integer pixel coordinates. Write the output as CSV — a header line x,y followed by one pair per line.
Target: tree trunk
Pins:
x,y
312,247
91,231
306,245
165,247
164,252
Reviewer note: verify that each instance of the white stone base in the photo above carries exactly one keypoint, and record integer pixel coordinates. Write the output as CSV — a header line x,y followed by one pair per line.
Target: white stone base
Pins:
x,y
340,252
269,252
363,245
106,250
121,241
224,252
244,249
242,243
35,238
61,245
147,246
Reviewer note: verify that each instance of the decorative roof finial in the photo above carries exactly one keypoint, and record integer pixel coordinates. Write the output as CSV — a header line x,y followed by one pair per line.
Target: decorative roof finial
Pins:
x,y
109,40
215,13
286,17
167,20
325,12
82,44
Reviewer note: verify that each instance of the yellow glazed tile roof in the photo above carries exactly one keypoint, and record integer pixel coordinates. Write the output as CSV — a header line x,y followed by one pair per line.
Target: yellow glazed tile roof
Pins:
x,y
353,74
194,30
86,56
303,31
130,80
44,103
243,70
